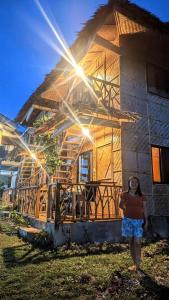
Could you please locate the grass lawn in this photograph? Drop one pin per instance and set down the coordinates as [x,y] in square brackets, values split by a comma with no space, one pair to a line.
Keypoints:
[80,272]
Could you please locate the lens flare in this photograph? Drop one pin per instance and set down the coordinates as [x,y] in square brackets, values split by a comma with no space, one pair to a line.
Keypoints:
[33,155]
[79,70]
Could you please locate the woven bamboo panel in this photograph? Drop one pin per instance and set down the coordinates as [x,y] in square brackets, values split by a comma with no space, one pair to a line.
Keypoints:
[104,162]
[125,25]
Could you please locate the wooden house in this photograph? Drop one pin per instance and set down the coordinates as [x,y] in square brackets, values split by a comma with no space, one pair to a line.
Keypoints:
[110,113]
[9,140]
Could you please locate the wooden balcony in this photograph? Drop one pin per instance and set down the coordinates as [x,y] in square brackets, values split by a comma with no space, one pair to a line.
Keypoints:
[70,202]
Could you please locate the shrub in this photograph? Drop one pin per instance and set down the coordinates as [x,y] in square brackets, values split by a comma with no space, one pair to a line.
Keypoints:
[18,219]
[43,239]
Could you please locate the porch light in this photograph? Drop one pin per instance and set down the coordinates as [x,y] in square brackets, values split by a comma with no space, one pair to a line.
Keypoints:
[86,131]
[79,71]
[33,156]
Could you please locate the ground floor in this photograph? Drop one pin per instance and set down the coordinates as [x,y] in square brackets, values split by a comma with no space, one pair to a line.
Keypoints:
[92,171]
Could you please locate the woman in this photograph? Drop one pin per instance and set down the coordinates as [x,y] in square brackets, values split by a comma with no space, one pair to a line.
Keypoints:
[132,203]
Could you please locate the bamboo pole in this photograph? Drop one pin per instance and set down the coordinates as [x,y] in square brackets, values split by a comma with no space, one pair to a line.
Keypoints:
[57,205]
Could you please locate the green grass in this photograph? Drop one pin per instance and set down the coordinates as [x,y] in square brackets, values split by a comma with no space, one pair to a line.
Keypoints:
[3,205]
[80,272]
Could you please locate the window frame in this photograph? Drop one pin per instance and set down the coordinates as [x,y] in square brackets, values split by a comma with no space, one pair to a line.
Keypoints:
[159,147]
[157,93]
[90,166]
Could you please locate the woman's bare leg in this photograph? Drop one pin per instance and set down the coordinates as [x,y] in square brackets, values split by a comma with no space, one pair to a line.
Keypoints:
[137,251]
[132,252]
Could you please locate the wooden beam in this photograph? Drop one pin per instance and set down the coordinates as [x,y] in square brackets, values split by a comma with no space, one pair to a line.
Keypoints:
[10,163]
[37,203]
[108,45]
[65,125]
[104,81]
[28,114]
[44,108]
[96,51]
[98,121]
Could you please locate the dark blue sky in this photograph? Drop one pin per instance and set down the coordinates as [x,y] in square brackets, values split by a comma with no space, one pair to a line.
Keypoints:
[25,57]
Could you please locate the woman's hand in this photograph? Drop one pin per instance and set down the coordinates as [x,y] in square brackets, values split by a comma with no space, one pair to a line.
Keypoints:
[124,207]
[122,204]
[146,226]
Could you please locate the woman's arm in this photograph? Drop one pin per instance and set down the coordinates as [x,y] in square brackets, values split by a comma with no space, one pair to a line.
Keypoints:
[122,203]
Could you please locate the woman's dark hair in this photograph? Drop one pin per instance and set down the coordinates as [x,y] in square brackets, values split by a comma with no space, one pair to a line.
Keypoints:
[138,191]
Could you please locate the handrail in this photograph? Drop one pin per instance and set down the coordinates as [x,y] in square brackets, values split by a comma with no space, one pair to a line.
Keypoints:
[75,201]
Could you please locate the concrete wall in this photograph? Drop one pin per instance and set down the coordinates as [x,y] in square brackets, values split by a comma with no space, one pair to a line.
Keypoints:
[152,128]
[80,232]
[85,232]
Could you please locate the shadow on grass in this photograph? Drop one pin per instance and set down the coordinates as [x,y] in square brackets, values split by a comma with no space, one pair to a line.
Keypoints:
[143,287]
[34,255]
[158,291]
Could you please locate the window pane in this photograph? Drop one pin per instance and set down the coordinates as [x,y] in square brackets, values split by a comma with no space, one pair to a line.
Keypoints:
[158,80]
[164,155]
[84,167]
[156,164]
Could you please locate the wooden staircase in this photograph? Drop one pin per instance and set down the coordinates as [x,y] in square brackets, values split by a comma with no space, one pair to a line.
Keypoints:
[25,170]
[68,155]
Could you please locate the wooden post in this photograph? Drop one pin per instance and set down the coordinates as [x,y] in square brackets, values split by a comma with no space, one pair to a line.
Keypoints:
[37,202]
[74,194]
[57,205]
[49,203]
[50,199]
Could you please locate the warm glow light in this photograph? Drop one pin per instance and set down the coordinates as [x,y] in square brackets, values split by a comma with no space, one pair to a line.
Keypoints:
[79,71]
[33,156]
[86,132]
[66,53]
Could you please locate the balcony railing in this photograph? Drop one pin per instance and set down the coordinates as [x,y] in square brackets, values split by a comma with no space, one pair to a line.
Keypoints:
[90,201]
[70,202]
[33,200]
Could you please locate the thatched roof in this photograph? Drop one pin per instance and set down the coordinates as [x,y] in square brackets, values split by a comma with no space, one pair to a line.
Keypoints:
[86,37]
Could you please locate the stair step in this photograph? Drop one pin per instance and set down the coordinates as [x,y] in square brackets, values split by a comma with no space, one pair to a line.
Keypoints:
[60,178]
[30,229]
[62,171]
[71,142]
[70,150]
[29,233]
[66,157]
[64,164]
[24,173]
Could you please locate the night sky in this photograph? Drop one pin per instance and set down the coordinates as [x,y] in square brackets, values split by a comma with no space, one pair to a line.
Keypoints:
[25,55]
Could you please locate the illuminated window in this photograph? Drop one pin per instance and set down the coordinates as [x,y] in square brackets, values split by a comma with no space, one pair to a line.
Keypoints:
[84,166]
[158,80]
[160,164]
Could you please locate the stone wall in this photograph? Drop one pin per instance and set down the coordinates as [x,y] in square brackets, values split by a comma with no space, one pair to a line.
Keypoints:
[152,128]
